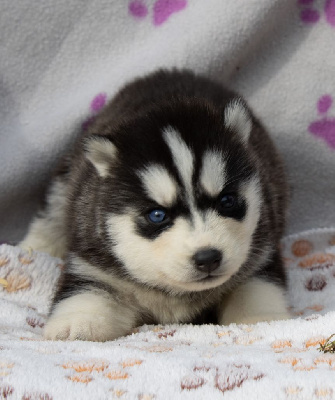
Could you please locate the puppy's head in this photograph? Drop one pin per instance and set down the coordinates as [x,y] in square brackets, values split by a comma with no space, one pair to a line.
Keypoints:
[179,194]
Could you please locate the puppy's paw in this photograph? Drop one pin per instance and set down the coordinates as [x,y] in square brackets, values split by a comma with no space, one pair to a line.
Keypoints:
[79,326]
[89,316]
[43,243]
[255,301]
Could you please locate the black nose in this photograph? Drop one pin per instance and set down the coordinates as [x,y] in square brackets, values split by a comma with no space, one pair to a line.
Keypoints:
[207,260]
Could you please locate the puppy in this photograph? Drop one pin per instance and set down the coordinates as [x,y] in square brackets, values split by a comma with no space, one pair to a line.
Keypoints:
[169,209]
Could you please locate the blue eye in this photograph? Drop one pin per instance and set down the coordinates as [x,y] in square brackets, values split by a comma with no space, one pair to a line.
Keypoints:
[157,216]
[228,201]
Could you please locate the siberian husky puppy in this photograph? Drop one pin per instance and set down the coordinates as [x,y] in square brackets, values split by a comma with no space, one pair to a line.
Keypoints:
[169,209]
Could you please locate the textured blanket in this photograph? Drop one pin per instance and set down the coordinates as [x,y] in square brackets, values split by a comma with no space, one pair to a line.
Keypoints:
[276,360]
[60,61]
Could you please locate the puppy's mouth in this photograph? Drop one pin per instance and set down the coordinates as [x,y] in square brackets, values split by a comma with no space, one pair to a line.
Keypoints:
[208,281]
[209,278]
[199,282]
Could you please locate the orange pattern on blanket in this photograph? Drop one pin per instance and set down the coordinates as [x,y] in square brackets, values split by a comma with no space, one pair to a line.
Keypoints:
[293,390]
[280,344]
[158,349]
[4,261]
[26,259]
[146,396]
[224,333]
[131,363]
[87,366]
[315,341]
[87,370]
[303,367]
[247,340]
[115,375]
[319,259]
[324,393]
[290,360]
[299,364]
[80,378]
[17,280]
[301,248]
[326,359]
[118,392]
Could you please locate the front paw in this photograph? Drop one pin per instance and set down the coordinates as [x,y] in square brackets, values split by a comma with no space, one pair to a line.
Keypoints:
[78,326]
[255,301]
[88,317]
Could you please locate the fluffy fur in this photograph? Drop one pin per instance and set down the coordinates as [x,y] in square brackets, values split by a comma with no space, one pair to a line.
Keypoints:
[169,209]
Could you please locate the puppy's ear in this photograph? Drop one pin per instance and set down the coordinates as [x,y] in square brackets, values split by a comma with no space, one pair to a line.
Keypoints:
[237,117]
[101,152]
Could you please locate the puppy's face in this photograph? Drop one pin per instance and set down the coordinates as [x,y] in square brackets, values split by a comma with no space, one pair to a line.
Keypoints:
[180,195]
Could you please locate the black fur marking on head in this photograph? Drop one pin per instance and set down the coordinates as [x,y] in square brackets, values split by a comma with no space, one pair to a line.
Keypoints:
[237,212]
[149,230]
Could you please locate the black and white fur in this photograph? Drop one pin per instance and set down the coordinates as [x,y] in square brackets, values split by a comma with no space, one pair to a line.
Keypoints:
[186,147]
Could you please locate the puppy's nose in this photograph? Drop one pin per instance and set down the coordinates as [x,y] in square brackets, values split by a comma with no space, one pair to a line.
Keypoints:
[207,260]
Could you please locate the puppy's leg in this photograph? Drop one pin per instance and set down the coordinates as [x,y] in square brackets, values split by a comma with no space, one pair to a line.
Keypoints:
[256,300]
[47,233]
[89,315]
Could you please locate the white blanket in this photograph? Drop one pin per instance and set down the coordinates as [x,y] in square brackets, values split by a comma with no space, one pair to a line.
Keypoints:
[276,360]
[60,61]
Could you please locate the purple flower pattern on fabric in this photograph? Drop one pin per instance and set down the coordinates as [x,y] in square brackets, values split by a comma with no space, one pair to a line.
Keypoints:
[310,14]
[325,126]
[161,10]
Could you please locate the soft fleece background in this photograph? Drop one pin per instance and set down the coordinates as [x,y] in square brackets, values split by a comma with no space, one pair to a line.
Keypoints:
[60,61]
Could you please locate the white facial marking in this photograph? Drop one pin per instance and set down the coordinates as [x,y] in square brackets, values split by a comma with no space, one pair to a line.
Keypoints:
[237,117]
[250,190]
[167,262]
[159,185]
[182,157]
[213,177]
[101,152]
